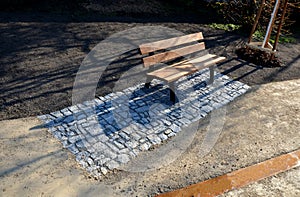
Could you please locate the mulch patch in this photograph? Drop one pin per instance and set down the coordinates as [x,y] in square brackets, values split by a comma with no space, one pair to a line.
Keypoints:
[259,57]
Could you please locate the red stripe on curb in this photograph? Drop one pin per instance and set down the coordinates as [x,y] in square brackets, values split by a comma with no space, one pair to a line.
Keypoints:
[239,178]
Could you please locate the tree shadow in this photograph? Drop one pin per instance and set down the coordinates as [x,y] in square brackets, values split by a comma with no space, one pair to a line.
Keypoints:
[39,62]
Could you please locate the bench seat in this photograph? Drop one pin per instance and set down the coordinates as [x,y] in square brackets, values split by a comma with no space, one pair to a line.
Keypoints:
[176,71]
[174,49]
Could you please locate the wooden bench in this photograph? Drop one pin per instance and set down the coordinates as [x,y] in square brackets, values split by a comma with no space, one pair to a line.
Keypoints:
[175,49]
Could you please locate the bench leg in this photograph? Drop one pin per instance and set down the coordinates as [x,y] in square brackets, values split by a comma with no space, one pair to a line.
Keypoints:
[211,75]
[148,81]
[172,92]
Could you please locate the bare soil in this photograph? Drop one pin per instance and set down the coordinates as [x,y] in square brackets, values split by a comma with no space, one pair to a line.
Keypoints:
[40,56]
[39,60]
[33,162]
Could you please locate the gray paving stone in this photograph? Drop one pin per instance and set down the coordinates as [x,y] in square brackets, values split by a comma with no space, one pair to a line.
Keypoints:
[131,144]
[104,170]
[109,153]
[102,138]
[82,144]
[163,137]
[124,136]
[154,139]
[112,165]
[66,112]
[74,139]
[175,128]
[102,161]
[83,163]
[168,131]
[123,158]
[207,108]
[119,145]
[145,146]
[73,149]
[90,161]
[103,141]
[171,134]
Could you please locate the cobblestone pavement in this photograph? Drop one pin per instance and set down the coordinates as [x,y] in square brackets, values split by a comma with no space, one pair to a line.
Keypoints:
[109,131]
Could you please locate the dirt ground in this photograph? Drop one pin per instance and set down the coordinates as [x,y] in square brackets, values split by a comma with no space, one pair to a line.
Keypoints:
[260,125]
[40,56]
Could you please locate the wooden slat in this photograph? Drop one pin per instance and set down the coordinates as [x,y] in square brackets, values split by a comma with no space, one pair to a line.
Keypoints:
[164,44]
[210,63]
[169,55]
[168,72]
[201,59]
[206,61]
[180,74]
[178,70]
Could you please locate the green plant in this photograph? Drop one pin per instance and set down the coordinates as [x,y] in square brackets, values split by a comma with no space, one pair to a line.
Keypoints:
[237,12]
[243,12]
[226,27]
[259,35]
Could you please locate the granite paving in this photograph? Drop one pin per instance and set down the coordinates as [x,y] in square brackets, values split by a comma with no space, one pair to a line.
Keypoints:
[109,131]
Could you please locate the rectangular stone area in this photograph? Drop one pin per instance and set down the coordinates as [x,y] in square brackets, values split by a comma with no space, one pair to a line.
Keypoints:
[109,131]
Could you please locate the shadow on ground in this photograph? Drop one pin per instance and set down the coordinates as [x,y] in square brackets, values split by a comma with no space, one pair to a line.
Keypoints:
[39,61]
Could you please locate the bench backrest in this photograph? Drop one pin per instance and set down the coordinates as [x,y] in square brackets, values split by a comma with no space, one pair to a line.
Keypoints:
[171,54]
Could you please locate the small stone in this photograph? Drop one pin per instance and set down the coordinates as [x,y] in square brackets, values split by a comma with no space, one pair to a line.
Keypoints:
[127,130]
[171,134]
[83,164]
[104,170]
[124,136]
[81,144]
[175,128]
[163,137]
[123,158]
[81,156]
[73,109]
[74,139]
[73,149]
[66,112]
[57,134]
[57,114]
[142,140]
[166,122]
[154,139]
[119,145]
[90,161]
[206,108]
[102,161]
[103,138]
[168,131]
[110,154]
[44,118]
[112,164]
[65,144]
[80,116]
[100,146]
[185,121]
[113,147]
[145,146]
[124,151]
[135,136]
[131,144]
[134,153]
